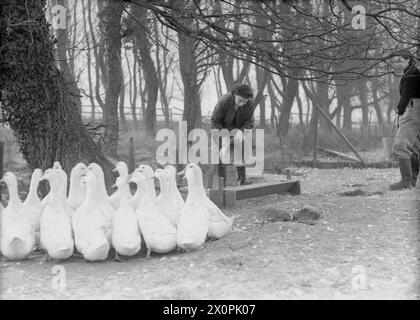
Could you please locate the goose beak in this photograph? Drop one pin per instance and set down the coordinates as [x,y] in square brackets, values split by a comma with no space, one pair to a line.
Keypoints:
[115,169]
[181,173]
[114,186]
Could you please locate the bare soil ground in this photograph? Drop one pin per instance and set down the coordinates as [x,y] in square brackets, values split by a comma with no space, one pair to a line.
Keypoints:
[371,233]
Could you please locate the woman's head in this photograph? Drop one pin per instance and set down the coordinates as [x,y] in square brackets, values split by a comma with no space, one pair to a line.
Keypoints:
[407,57]
[243,93]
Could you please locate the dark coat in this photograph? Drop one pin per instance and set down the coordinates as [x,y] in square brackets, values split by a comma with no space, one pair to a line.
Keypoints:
[225,116]
[409,87]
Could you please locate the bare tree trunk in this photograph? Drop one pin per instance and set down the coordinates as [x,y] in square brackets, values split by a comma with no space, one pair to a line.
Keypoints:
[364,105]
[163,74]
[97,59]
[111,19]
[189,73]
[133,89]
[149,72]
[89,61]
[262,79]
[122,101]
[274,102]
[290,92]
[46,124]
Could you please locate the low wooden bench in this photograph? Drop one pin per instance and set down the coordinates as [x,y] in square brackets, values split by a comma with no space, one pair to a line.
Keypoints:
[232,194]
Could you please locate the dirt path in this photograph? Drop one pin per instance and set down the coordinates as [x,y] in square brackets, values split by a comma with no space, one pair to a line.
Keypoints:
[364,247]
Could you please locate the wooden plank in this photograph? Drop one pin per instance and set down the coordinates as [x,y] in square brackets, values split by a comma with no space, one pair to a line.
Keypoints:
[338,154]
[232,194]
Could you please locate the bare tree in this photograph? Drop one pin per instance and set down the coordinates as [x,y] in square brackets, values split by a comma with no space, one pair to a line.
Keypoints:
[111,20]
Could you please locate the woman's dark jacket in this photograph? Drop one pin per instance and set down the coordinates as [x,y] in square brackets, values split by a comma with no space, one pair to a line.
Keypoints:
[225,116]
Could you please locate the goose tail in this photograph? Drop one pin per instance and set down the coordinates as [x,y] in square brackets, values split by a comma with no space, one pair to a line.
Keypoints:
[63,252]
[17,246]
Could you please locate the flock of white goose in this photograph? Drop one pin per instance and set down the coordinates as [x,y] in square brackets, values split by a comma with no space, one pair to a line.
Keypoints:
[88,219]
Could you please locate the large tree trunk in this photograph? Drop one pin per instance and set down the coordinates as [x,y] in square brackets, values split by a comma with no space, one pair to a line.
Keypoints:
[36,101]
[61,55]
[111,20]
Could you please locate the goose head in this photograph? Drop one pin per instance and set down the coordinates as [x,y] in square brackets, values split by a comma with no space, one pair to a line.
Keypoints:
[96,169]
[141,179]
[37,175]
[78,171]
[170,170]
[9,179]
[52,176]
[160,174]
[90,181]
[147,170]
[193,174]
[57,165]
[122,169]
[62,174]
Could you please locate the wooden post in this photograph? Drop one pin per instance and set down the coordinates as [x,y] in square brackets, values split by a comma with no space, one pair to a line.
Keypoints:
[131,155]
[217,196]
[341,134]
[315,149]
[1,165]
[1,159]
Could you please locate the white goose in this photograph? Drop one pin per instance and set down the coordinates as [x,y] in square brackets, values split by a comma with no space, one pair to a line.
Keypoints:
[56,228]
[77,190]
[89,226]
[176,195]
[219,223]
[166,202]
[122,169]
[193,221]
[125,230]
[159,234]
[63,178]
[137,198]
[17,237]
[105,207]
[32,206]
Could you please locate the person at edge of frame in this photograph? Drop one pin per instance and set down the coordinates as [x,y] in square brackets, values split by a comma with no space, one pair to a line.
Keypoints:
[406,147]
[234,110]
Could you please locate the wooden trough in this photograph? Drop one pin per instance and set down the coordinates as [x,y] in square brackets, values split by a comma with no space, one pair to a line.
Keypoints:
[228,196]
[232,194]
